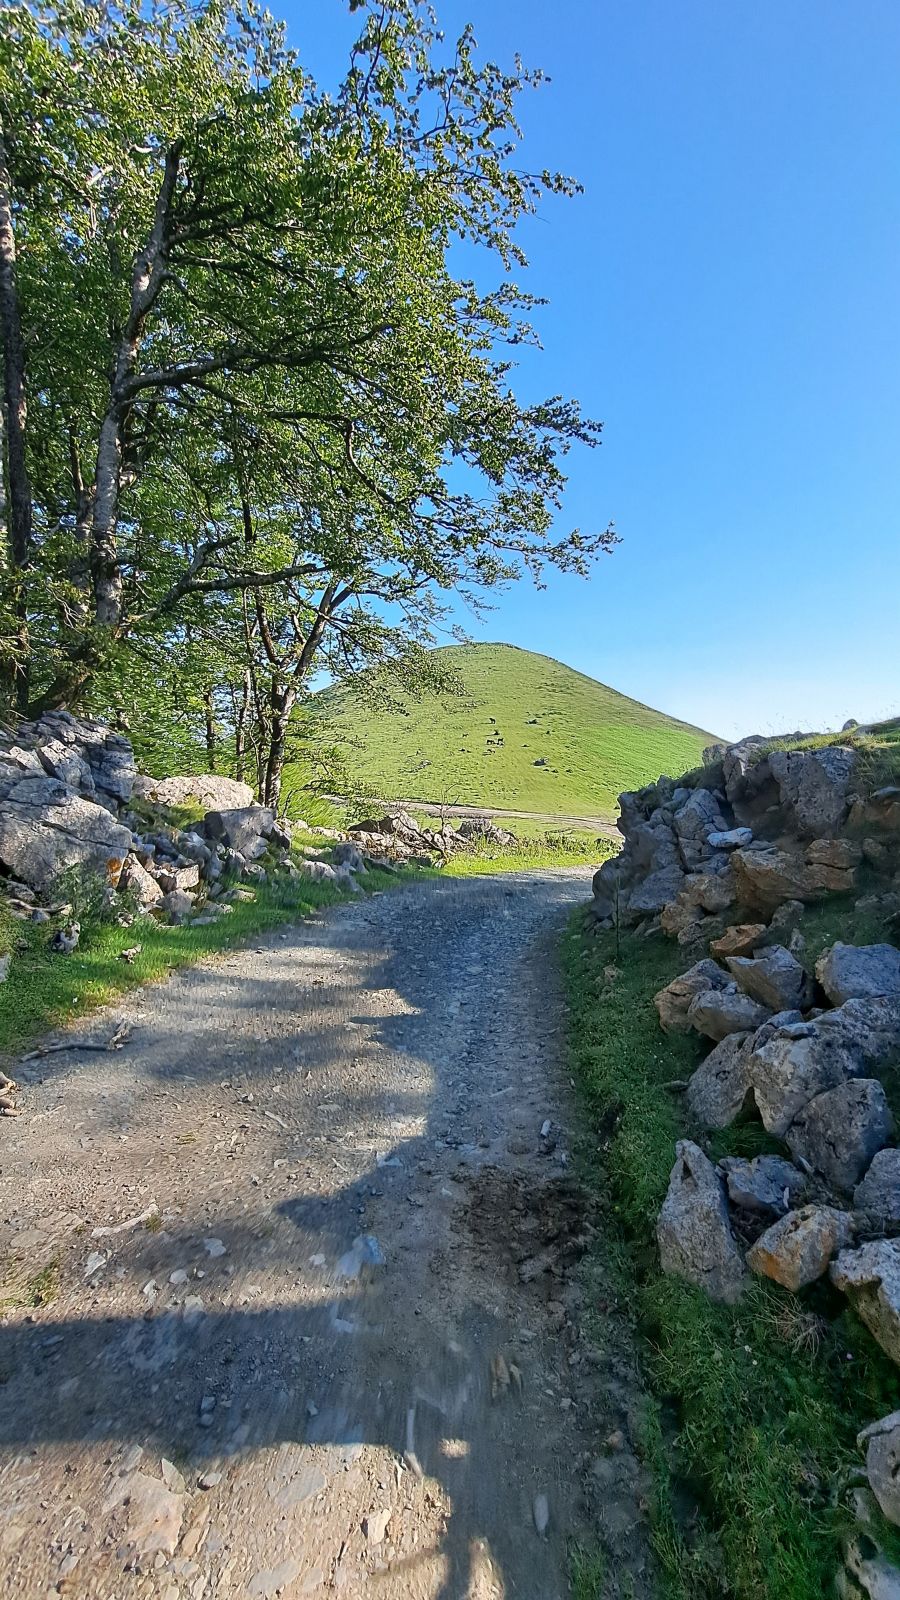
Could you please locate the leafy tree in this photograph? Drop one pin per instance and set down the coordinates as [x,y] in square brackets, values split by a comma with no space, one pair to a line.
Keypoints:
[254,419]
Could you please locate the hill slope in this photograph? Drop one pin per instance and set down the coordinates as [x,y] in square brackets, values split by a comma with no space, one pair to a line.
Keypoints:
[518,710]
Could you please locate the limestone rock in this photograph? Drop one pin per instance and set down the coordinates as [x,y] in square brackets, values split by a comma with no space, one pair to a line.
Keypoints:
[718,1012]
[841,853]
[870,1277]
[239,829]
[879,1192]
[136,880]
[880,813]
[177,905]
[882,1439]
[648,898]
[347,854]
[840,1131]
[720,1089]
[153,1513]
[711,891]
[854,972]
[790,1069]
[731,839]
[206,789]
[814,785]
[45,828]
[775,978]
[767,1186]
[693,1232]
[673,1001]
[797,1248]
[699,816]
[867,1575]
[739,940]
[769,875]
[870,1028]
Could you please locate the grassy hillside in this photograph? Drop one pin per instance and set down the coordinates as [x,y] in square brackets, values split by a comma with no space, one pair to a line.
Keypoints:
[518,709]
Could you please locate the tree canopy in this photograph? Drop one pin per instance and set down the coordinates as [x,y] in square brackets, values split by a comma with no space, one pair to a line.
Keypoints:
[255,419]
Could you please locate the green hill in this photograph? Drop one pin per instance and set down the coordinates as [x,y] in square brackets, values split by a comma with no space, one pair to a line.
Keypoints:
[527,733]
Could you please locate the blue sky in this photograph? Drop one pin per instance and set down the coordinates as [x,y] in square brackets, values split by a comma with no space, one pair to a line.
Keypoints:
[725,295]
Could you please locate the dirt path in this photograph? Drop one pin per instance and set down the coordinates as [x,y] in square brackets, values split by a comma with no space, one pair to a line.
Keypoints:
[604,826]
[358,1305]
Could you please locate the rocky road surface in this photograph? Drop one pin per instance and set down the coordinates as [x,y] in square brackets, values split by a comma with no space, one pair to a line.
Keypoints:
[289,1289]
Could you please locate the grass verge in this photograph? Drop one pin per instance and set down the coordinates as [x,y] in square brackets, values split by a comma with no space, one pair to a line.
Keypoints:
[552,848]
[753,1410]
[44,990]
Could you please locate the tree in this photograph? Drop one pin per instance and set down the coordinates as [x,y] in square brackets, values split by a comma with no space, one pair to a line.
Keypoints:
[266,404]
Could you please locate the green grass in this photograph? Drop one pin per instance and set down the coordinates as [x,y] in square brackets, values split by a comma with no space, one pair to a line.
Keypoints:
[44,990]
[446,748]
[571,848]
[755,1408]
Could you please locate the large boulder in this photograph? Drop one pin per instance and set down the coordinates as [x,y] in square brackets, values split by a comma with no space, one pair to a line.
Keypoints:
[870,1277]
[797,1249]
[792,1067]
[766,1186]
[775,978]
[693,1232]
[870,1028]
[647,899]
[45,828]
[240,829]
[767,875]
[882,1441]
[840,1131]
[859,972]
[673,1001]
[720,1089]
[879,1192]
[814,785]
[718,1012]
[209,790]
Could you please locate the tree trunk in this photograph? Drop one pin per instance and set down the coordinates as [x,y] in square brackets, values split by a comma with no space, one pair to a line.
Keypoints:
[281,703]
[210,728]
[240,728]
[16,415]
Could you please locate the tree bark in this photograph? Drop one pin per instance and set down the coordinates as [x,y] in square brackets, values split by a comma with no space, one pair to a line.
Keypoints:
[282,698]
[14,392]
[210,728]
[240,728]
[147,278]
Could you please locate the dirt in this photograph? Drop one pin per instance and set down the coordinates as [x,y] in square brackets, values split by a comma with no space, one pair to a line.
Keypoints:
[342,1342]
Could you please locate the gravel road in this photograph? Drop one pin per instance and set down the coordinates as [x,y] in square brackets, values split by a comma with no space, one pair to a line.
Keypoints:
[342,1348]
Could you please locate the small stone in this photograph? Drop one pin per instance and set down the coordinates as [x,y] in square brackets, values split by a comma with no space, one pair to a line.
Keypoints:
[210,1480]
[95,1261]
[214,1247]
[541,1512]
[172,1478]
[178,1277]
[375,1525]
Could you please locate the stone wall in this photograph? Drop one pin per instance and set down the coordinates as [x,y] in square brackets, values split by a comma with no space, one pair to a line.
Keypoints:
[725,861]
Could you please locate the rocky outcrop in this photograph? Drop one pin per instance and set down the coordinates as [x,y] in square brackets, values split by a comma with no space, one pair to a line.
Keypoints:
[693,1231]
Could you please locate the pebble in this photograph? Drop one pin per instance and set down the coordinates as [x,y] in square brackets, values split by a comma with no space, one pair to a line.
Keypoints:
[210,1480]
[375,1525]
[541,1513]
[95,1261]
[172,1477]
[214,1247]
[179,1276]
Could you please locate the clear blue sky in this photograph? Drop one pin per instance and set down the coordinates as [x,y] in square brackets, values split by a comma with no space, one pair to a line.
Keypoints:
[726,297]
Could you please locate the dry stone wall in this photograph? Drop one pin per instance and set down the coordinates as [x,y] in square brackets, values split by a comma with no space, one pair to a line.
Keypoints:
[724,861]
